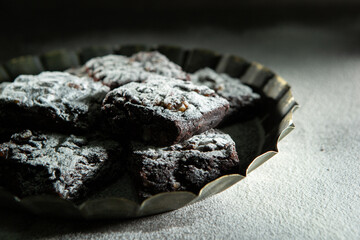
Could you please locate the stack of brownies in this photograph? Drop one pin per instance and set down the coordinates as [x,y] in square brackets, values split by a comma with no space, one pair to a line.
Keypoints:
[71,135]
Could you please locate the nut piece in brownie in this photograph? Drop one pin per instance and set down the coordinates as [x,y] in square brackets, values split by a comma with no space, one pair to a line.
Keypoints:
[185,166]
[242,99]
[117,70]
[162,111]
[34,163]
[54,100]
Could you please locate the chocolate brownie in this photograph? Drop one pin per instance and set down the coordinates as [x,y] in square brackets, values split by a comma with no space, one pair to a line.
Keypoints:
[55,100]
[34,163]
[162,111]
[241,97]
[114,70]
[185,166]
[158,63]
[117,70]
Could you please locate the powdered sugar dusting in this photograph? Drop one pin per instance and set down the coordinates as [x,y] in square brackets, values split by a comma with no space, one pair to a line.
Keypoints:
[185,166]
[156,62]
[69,161]
[213,141]
[232,89]
[117,70]
[169,97]
[66,95]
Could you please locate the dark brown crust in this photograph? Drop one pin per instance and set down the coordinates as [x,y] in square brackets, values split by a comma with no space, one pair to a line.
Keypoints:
[51,100]
[117,70]
[72,167]
[187,166]
[150,124]
[244,102]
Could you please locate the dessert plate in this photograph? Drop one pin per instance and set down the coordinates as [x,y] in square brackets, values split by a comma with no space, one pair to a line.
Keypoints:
[256,139]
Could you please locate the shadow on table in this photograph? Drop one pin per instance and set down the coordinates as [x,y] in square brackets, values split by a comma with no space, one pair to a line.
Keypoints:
[18,224]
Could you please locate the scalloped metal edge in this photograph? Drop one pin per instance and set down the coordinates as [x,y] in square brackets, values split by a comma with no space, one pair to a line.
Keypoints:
[259,160]
[123,208]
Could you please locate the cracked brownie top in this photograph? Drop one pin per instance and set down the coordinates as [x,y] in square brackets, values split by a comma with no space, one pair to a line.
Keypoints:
[117,70]
[237,93]
[211,142]
[64,161]
[168,97]
[156,62]
[184,166]
[61,96]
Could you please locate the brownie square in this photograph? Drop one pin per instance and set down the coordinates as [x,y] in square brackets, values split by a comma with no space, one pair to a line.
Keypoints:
[69,166]
[117,70]
[54,100]
[114,70]
[163,111]
[186,166]
[243,100]
[158,63]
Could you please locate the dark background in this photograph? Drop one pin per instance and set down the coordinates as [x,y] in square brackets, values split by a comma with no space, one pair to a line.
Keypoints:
[25,23]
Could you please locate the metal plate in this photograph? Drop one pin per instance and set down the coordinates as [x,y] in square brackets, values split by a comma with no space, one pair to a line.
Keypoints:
[274,124]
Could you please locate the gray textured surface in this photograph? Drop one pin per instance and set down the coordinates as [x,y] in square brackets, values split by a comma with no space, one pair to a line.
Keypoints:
[310,190]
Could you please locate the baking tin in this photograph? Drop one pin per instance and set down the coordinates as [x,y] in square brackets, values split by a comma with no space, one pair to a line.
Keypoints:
[273,123]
